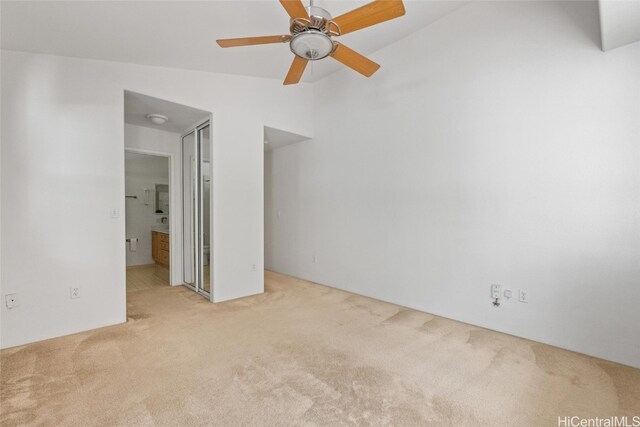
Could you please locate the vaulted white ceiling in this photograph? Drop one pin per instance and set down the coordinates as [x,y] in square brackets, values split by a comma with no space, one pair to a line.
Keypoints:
[182,34]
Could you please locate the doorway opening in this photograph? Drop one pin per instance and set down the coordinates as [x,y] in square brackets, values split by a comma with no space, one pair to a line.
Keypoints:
[280,178]
[168,195]
[147,210]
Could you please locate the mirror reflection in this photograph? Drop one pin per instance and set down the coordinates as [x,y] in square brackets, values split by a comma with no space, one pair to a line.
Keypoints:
[162,199]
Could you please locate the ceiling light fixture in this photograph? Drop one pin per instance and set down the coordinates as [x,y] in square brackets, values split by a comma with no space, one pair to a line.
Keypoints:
[311,45]
[157,119]
[311,38]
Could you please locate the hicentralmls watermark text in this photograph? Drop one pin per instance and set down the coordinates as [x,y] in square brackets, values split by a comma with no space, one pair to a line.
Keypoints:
[623,421]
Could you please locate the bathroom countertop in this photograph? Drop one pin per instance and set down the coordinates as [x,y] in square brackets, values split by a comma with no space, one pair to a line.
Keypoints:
[161,230]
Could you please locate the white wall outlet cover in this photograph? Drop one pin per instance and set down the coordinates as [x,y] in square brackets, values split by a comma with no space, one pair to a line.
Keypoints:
[74,293]
[507,293]
[524,296]
[495,291]
[115,212]
[11,300]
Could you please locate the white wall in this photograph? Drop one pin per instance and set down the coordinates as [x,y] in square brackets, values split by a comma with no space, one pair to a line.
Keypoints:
[144,173]
[63,172]
[498,145]
[147,140]
[620,22]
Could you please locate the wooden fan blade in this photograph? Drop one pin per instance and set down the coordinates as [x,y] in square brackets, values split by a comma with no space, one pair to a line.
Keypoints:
[249,41]
[295,71]
[370,14]
[295,8]
[354,60]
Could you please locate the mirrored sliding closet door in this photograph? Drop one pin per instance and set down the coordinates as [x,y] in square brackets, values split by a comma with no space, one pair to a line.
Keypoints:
[196,212]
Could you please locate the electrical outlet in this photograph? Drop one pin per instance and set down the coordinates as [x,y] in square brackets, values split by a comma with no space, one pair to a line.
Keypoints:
[115,212]
[11,300]
[253,267]
[524,296]
[74,293]
[495,291]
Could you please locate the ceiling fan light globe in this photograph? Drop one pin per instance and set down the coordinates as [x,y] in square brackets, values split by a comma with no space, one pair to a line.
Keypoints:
[311,45]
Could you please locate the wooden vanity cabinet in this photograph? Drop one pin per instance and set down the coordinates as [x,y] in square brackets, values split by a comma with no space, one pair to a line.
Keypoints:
[160,248]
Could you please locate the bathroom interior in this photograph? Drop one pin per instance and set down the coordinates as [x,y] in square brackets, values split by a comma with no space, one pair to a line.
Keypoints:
[147,213]
[167,195]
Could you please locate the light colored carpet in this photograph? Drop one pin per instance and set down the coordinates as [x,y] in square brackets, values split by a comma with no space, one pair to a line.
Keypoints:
[301,354]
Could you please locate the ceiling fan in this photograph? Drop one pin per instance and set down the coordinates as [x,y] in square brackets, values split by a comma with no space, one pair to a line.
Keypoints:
[312,30]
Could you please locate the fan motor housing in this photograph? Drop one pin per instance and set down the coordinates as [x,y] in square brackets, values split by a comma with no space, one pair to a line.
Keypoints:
[319,19]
